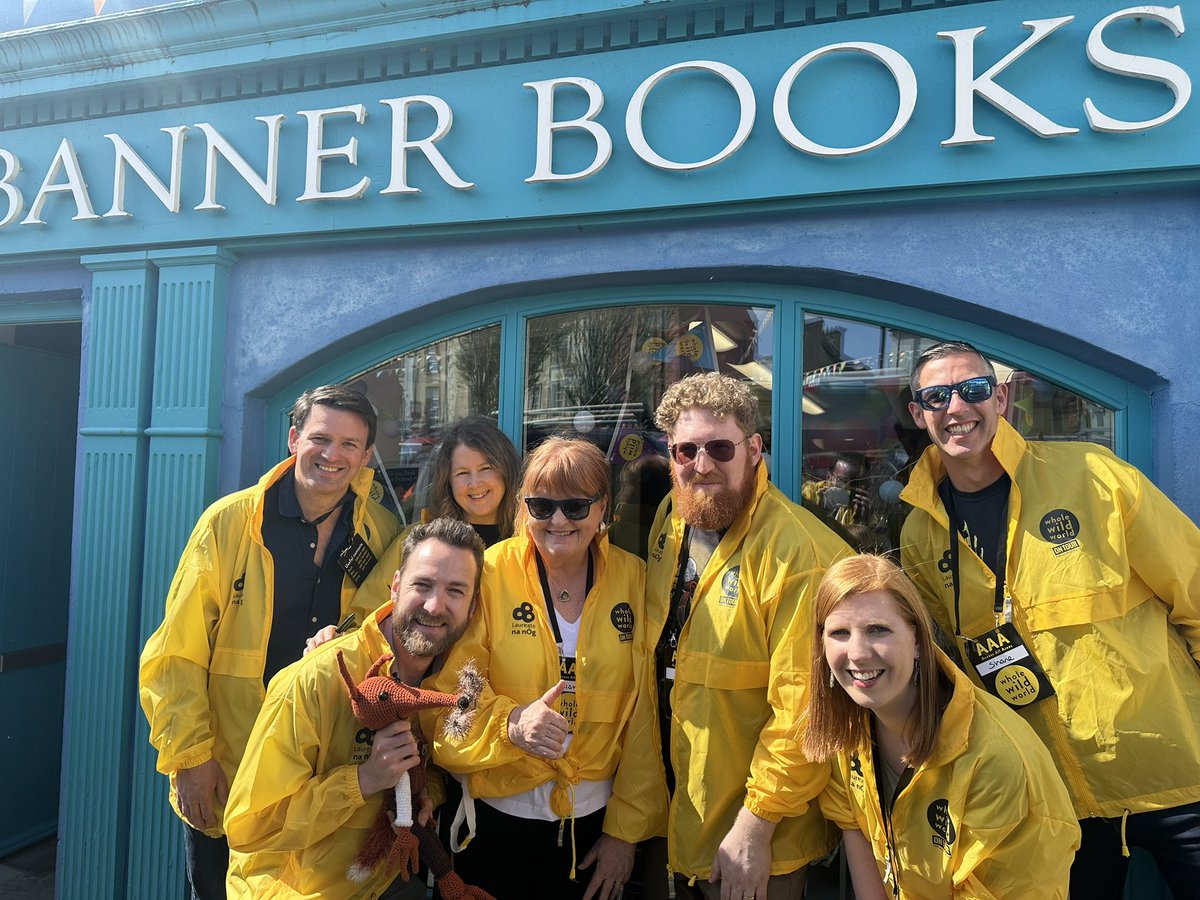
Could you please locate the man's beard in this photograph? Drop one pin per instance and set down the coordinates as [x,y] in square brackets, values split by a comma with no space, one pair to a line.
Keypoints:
[712,510]
[418,644]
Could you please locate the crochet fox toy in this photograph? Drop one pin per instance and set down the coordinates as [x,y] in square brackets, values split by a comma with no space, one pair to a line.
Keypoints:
[377,701]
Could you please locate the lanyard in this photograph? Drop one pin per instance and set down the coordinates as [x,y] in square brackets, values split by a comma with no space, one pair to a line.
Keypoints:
[680,609]
[1001,561]
[587,589]
[885,811]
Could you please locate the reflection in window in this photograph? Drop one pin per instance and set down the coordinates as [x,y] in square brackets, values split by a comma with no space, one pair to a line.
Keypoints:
[859,441]
[599,374]
[416,395]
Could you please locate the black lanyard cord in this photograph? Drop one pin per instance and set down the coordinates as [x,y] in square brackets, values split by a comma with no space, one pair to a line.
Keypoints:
[1001,560]
[550,601]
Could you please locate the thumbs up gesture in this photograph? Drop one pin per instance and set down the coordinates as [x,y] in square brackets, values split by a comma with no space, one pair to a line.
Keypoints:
[536,728]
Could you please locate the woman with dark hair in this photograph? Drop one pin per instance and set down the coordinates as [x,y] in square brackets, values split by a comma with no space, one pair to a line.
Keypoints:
[554,634]
[475,471]
[940,790]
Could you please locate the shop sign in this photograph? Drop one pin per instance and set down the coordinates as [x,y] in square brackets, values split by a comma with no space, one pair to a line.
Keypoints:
[26,185]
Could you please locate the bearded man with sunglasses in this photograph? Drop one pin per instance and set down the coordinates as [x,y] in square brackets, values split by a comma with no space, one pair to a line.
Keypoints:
[1073,594]
[733,566]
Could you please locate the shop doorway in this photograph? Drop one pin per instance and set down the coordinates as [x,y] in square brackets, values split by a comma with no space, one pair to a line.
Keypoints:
[39,403]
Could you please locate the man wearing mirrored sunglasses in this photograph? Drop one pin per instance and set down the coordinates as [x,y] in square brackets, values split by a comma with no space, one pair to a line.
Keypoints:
[732,568]
[1073,594]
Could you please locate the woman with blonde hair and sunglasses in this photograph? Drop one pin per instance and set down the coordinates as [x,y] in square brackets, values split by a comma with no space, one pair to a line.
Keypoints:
[554,636]
[940,790]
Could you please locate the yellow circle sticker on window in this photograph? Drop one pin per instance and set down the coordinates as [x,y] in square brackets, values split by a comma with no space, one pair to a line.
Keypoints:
[690,346]
[653,345]
[632,446]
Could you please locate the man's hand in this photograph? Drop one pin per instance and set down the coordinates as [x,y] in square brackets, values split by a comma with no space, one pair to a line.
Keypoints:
[328,633]
[614,861]
[195,789]
[536,728]
[743,861]
[394,751]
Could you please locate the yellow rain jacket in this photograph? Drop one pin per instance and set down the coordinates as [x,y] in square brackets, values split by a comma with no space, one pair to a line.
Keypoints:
[511,639]
[201,674]
[740,685]
[1104,574]
[296,818]
[986,817]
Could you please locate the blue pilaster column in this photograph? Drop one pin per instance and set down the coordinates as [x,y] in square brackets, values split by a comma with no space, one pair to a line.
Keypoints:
[185,440]
[103,638]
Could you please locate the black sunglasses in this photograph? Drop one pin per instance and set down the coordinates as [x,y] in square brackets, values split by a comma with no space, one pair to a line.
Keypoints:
[720,450]
[937,396]
[574,508]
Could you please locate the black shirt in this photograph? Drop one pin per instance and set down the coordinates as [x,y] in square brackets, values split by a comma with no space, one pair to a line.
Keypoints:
[489,534]
[307,597]
[982,517]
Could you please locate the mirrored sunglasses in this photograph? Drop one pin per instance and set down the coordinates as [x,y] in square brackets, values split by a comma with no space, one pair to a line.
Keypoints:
[574,508]
[937,396]
[720,450]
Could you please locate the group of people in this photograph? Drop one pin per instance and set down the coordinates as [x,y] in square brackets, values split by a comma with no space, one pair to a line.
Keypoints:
[1003,714]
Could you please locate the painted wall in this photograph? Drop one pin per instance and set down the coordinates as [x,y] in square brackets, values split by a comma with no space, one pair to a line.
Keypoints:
[1110,280]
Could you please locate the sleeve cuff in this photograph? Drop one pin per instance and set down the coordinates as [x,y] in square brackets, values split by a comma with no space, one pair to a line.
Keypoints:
[188,760]
[505,709]
[755,807]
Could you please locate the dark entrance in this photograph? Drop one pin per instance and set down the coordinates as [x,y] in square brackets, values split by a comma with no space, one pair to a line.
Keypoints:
[39,406]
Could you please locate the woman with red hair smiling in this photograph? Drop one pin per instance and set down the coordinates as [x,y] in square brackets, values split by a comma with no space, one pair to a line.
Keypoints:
[940,790]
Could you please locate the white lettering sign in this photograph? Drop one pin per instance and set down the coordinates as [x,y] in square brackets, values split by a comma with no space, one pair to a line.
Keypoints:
[543,168]
[64,174]
[1138,67]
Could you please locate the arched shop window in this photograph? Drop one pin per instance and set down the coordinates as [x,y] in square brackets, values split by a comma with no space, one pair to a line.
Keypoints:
[831,385]
[860,442]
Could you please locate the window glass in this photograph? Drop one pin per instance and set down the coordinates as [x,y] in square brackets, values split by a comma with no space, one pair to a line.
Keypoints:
[599,374]
[416,395]
[859,441]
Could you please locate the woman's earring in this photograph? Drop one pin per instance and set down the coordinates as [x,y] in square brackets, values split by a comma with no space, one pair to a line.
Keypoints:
[832,680]
[917,671]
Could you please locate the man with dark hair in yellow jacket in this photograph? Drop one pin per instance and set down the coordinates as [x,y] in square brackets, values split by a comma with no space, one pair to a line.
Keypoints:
[314,780]
[264,568]
[732,571]
[1073,594]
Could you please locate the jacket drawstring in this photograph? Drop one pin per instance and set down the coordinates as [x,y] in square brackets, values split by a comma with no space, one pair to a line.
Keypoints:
[464,813]
[564,789]
[562,822]
[1124,843]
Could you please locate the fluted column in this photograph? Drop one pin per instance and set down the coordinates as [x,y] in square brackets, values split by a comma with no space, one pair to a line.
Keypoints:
[103,625]
[184,445]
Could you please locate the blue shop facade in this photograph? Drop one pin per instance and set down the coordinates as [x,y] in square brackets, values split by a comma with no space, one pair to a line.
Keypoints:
[545,212]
